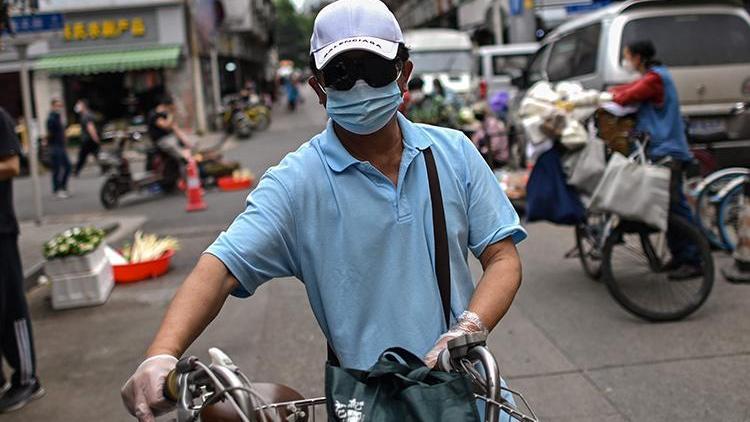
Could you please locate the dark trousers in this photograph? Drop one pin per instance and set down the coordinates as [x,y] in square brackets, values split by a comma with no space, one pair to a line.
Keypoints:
[683,251]
[15,323]
[60,168]
[88,147]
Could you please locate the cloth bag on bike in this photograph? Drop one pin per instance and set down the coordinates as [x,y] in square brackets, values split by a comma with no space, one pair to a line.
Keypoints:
[548,196]
[634,191]
[589,167]
[398,388]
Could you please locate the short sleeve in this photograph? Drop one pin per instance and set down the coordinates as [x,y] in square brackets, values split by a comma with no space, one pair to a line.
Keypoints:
[491,215]
[9,144]
[260,244]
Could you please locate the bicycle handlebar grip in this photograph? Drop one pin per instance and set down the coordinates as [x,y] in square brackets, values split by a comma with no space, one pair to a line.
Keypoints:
[444,361]
[171,389]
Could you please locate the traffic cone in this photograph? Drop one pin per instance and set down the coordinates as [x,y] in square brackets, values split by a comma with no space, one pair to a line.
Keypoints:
[194,190]
[740,271]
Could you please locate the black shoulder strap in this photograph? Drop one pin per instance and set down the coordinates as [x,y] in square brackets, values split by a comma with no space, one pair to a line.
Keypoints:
[442,257]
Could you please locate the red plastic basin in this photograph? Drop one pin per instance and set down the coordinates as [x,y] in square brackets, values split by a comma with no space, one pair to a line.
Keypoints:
[229,183]
[129,273]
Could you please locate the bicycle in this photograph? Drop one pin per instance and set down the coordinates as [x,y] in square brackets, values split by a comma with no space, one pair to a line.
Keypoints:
[706,197]
[221,392]
[729,202]
[633,260]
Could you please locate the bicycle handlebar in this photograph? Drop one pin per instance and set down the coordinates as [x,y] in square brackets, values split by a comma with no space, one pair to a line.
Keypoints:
[462,355]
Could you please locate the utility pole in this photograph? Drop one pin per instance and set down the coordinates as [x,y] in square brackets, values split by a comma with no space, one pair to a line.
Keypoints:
[497,22]
[215,81]
[30,130]
[195,62]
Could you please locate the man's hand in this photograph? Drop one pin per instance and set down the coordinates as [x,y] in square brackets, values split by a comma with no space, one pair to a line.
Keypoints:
[143,393]
[467,323]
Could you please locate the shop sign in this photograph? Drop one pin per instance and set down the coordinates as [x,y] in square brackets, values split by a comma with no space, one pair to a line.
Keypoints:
[108,28]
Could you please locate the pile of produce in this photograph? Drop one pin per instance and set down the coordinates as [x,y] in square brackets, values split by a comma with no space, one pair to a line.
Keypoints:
[77,241]
[148,247]
[242,174]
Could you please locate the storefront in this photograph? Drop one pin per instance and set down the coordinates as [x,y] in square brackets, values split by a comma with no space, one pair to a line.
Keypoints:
[120,60]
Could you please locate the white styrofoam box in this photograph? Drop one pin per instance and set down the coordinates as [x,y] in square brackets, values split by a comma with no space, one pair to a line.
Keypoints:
[89,289]
[75,265]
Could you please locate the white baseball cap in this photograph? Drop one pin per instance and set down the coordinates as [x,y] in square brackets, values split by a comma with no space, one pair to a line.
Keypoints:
[346,25]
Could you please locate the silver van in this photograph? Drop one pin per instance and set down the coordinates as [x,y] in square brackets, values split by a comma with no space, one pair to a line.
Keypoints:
[705,45]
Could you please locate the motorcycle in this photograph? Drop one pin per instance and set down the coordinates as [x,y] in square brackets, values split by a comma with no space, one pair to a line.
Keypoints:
[242,118]
[162,173]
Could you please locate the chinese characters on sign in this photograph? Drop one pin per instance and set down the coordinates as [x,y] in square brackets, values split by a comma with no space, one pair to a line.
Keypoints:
[108,28]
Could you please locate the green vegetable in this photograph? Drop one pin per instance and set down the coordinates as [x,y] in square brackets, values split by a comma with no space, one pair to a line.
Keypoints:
[76,241]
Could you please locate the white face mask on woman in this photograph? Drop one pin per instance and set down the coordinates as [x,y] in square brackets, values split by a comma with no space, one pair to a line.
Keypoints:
[628,66]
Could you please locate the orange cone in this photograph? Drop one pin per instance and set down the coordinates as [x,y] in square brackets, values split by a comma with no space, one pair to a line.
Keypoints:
[194,190]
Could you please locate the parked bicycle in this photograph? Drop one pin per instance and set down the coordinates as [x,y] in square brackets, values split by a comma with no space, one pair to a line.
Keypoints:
[707,198]
[219,391]
[633,259]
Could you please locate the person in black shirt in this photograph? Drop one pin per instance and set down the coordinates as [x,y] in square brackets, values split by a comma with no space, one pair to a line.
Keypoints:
[16,341]
[90,142]
[56,142]
[165,134]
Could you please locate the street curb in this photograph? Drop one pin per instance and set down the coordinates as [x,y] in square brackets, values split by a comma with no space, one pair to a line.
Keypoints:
[115,233]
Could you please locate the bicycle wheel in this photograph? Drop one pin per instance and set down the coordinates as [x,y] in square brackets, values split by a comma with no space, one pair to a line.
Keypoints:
[589,236]
[728,217]
[705,211]
[634,260]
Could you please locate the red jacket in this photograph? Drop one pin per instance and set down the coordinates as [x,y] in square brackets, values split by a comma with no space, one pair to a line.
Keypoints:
[649,88]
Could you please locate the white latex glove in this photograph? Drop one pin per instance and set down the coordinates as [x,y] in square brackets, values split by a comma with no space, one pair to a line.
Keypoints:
[143,393]
[467,323]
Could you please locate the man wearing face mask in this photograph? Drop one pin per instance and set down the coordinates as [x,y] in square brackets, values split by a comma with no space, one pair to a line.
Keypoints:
[349,213]
[655,95]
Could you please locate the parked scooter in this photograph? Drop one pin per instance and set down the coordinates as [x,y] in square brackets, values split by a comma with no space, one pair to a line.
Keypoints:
[162,173]
[241,117]
[235,120]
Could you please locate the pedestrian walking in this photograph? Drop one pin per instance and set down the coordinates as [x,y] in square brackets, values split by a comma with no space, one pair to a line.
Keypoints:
[90,142]
[292,92]
[58,153]
[17,345]
[375,214]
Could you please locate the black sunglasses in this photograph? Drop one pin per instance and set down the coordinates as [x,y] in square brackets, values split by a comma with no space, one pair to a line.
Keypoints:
[343,72]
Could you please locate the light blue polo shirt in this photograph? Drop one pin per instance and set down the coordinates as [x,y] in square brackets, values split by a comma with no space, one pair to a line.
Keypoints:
[363,247]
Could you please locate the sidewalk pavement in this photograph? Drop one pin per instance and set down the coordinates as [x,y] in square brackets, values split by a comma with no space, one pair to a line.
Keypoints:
[34,236]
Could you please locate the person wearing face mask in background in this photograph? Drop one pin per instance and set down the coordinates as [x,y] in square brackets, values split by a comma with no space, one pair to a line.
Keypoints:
[349,213]
[430,109]
[90,142]
[655,95]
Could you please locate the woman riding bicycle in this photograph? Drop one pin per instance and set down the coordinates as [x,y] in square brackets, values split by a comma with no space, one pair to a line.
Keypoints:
[659,115]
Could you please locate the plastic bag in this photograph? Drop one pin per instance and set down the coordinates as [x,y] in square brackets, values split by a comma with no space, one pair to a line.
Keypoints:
[543,91]
[573,136]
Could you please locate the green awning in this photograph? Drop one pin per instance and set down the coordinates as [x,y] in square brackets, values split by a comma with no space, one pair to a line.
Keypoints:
[110,61]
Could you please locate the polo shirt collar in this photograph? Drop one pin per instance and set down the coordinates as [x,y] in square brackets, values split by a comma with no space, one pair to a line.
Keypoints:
[339,159]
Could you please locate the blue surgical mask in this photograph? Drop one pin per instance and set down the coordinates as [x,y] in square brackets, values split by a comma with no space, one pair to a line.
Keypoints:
[363,109]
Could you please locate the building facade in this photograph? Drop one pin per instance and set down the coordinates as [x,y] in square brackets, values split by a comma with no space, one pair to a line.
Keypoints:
[123,55]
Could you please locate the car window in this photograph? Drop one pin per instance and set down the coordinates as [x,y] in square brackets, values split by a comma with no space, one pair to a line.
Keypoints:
[574,54]
[448,61]
[536,66]
[678,43]
[511,65]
